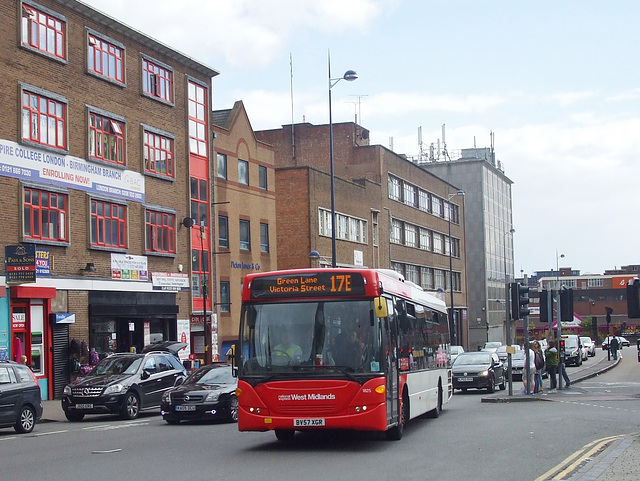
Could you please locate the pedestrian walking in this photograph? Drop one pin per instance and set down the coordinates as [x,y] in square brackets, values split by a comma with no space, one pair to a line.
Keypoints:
[614,345]
[539,363]
[528,377]
[551,361]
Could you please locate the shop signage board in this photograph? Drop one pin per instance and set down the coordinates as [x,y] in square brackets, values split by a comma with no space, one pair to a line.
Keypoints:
[20,263]
[36,165]
[170,281]
[126,267]
[43,263]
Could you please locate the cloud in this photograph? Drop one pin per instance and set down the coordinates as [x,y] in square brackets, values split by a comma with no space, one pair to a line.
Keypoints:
[245,33]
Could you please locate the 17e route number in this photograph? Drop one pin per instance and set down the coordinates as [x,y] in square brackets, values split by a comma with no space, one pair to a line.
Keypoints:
[341,283]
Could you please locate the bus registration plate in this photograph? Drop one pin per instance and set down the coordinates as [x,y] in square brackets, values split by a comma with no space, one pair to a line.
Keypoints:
[308,422]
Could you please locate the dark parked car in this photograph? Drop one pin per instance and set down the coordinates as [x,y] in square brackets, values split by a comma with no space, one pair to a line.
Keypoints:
[125,383]
[208,393]
[572,350]
[479,370]
[20,400]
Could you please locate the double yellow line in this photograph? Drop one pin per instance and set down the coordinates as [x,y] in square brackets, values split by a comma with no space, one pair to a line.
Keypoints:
[572,462]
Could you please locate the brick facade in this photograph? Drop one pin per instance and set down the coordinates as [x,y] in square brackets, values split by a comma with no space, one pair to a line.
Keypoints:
[70,82]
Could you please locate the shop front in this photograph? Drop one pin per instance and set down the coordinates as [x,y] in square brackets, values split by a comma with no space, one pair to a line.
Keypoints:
[30,332]
[128,321]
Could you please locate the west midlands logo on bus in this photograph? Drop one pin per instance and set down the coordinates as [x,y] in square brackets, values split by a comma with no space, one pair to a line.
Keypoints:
[306,397]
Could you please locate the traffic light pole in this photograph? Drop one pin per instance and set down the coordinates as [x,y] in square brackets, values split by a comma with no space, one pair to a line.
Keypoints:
[509,361]
[559,327]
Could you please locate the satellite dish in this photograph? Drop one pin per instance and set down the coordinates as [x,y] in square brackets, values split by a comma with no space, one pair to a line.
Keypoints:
[188,222]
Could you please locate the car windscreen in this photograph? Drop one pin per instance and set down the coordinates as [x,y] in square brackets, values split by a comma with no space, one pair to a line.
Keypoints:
[571,343]
[116,365]
[473,358]
[220,375]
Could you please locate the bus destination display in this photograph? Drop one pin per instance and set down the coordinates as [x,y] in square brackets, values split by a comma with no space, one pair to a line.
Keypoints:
[308,285]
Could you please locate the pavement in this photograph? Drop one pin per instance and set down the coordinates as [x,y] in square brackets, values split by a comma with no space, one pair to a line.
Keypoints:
[616,458]
[610,459]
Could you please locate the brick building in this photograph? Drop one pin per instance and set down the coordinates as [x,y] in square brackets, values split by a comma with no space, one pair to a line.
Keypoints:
[105,148]
[390,213]
[245,209]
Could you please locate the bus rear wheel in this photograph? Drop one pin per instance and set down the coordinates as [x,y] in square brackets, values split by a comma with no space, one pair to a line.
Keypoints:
[435,412]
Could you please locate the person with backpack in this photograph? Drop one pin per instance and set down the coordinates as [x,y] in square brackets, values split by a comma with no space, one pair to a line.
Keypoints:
[539,362]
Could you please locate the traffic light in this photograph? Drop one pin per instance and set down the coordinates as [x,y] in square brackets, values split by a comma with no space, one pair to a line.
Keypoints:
[566,305]
[544,306]
[609,312]
[633,299]
[562,346]
[519,300]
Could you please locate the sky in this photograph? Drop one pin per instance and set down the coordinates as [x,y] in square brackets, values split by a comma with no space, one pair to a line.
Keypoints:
[556,82]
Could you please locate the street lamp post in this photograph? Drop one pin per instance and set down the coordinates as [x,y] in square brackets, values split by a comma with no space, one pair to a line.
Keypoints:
[452,319]
[349,76]
[558,320]
[507,313]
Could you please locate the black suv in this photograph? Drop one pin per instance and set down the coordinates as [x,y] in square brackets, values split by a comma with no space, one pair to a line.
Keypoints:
[20,399]
[125,383]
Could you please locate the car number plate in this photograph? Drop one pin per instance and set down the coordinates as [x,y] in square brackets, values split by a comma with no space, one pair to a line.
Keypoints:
[465,379]
[308,422]
[84,406]
[185,408]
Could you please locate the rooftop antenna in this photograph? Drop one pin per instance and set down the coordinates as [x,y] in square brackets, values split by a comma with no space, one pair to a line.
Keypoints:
[421,154]
[358,116]
[391,143]
[444,145]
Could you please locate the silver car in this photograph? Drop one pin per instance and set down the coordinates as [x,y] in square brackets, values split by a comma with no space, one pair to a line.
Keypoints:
[588,346]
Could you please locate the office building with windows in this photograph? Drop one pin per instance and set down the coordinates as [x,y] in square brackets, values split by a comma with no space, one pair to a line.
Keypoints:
[105,169]
[488,223]
[390,213]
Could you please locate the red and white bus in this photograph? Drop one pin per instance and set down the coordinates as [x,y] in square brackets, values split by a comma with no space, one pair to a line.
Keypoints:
[339,348]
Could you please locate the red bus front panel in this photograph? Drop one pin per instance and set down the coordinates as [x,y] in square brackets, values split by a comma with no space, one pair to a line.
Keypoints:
[309,404]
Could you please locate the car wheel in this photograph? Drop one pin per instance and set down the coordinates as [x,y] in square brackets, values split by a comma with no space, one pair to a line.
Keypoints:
[503,385]
[26,420]
[492,386]
[131,406]
[285,434]
[233,409]
[74,416]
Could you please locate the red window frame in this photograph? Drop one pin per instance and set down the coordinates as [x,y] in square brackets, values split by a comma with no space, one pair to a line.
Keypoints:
[108,224]
[198,144]
[157,81]
[43,32]
[105,59]
[158,154]
[44,120]
[160,232]
[106,138]
[45,215]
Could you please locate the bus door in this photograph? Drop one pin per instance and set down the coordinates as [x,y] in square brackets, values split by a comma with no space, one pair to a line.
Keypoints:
[392,373]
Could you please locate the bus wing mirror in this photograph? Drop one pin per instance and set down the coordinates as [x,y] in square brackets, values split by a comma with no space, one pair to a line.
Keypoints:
[380,304]
[231,356]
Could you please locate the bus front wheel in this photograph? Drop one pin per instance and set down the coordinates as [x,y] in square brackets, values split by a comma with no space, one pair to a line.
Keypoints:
[395,433]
